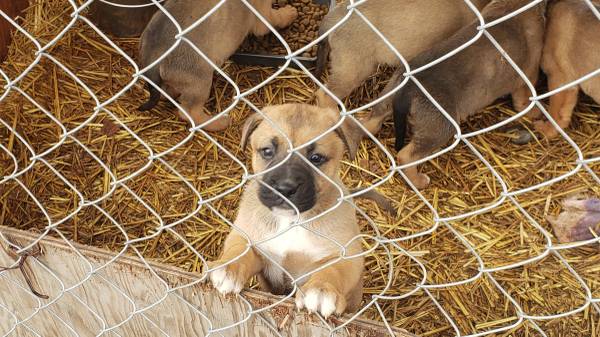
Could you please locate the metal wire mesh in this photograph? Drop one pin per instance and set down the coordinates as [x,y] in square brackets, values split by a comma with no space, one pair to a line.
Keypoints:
[380,240]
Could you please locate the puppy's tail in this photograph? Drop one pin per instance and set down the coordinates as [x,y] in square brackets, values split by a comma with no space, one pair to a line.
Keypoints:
[154,75]
[401,107]
[323,50]
[378,198]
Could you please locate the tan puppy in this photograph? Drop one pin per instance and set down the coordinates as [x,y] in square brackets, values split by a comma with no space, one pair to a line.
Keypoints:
[264,214]
[184,74]
[571,51]
[466,82]
[411,26]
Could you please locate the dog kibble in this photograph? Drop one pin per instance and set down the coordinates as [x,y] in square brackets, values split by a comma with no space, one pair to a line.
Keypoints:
[302,31]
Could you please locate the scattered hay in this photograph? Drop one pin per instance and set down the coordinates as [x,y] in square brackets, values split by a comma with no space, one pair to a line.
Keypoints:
[461,184]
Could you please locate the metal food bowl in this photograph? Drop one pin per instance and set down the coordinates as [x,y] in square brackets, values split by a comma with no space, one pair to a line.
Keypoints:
[128,18]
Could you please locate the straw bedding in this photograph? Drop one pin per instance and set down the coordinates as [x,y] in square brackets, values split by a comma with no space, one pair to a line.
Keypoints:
[460,183]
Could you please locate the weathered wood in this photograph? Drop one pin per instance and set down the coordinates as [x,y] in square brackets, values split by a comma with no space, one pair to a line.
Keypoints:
[102,299]
[12,8]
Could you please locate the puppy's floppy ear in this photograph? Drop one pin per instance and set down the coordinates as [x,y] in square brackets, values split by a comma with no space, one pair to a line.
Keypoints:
[249,126]
[351,134]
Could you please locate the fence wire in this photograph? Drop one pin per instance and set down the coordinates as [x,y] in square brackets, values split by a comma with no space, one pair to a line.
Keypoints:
[381,241]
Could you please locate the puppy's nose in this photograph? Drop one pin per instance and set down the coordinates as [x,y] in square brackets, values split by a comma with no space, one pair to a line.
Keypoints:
[287,188]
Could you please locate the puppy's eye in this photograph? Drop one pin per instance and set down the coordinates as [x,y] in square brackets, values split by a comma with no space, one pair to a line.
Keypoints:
[267,152]
[317,159]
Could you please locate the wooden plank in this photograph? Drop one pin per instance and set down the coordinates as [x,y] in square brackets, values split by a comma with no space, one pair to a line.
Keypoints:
[108,297]
[12,8]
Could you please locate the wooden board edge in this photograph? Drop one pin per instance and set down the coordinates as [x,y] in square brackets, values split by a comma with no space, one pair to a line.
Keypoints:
[251,295]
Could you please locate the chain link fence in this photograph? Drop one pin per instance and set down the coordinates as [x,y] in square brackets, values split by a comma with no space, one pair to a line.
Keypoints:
[210,206]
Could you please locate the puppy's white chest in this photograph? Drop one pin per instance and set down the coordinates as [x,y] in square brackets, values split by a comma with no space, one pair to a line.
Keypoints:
[288,240]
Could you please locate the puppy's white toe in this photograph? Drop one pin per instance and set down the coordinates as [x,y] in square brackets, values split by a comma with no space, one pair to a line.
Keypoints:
[327,304]
[217,276]
[315,300]
[229,286]
[299,301]
[224,282]
[311,300]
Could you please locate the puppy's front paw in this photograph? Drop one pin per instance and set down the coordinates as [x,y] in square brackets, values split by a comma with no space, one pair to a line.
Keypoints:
[420,180]
[321,297]
[219,124]
[288,14]
[323,100]
[229,279]
[546,128]
[535,113]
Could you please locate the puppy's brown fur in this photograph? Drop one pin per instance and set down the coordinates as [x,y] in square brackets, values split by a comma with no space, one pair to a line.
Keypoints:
[466,82]
[184,74]
[338,287]
[410,26]
[571,51]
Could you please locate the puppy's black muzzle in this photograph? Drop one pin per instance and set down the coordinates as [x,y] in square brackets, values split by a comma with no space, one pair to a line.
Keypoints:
[295,181]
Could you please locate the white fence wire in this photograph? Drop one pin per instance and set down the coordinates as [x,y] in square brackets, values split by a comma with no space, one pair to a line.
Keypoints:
[354,9]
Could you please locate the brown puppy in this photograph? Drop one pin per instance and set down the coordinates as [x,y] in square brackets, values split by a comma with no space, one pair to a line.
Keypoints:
[571,51]
[466,82]
[410,26]
[264,214]
[184,74]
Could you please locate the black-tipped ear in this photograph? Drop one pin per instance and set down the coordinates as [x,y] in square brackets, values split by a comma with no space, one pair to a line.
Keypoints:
[351,135]
[249,126]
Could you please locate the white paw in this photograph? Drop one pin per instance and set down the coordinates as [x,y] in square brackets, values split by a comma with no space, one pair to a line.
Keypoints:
[315,300]
[225,282]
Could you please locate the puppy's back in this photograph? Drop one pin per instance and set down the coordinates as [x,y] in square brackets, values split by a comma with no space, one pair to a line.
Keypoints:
[478,75]
[219,31]
[505,31]
[402,22]
[160,32]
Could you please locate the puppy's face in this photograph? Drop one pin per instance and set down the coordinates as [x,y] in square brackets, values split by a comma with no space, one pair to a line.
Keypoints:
[295,179]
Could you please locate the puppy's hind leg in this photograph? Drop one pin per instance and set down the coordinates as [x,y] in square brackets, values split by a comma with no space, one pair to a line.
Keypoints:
[193,97]
[561,105]
[431,131]
[520,99]
[383,110]
[346,72]
[408,155]
[172,92]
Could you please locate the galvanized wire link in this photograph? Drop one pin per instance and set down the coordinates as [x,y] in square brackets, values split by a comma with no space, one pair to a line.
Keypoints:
[379,240]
